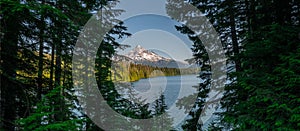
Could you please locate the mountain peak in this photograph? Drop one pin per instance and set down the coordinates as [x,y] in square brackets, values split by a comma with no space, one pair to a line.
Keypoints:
[139,48]
[139,53]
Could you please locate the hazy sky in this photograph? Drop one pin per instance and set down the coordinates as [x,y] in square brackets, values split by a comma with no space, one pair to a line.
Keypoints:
[159,34]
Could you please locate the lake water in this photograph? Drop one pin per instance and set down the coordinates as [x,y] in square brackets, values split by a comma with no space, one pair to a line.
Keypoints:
[180,93]
[173,88]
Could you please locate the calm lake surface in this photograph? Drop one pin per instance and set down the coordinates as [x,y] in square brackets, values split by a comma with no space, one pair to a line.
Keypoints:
[172,87]
[179,91]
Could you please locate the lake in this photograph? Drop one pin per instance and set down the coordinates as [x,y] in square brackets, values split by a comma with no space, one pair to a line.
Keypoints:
[171,86]
[174,88]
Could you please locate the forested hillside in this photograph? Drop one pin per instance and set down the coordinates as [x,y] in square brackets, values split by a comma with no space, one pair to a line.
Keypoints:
[126,72]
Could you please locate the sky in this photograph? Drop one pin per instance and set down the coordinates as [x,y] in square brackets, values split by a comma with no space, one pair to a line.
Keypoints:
[152,28]
[157,33]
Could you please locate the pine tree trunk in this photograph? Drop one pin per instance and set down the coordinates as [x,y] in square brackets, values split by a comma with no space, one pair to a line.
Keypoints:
[52,67]
[58,71]
[41,54]
[234,38]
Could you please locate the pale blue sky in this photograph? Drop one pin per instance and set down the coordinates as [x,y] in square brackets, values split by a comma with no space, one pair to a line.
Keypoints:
[158,33]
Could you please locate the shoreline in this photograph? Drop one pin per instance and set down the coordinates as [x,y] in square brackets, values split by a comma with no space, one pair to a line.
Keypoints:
[154,77]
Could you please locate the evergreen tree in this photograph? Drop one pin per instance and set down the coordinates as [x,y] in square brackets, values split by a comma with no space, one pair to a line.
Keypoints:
[264,98]
[36,60]
[42,116]
[255,35]
[13,17]
[261,98]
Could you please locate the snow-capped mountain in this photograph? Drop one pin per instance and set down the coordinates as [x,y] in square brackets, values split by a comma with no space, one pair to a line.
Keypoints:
[140,55]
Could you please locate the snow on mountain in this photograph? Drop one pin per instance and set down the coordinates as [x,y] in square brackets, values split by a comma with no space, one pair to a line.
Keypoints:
[141,54]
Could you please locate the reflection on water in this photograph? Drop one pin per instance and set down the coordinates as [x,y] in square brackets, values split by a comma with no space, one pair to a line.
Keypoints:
[173,88]
[170,86]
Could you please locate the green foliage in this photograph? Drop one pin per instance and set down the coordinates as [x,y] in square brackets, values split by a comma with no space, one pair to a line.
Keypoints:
[12,89]
[262,41]
[42,117]
[265,95]
[260,37]
[42,32]
[201,58]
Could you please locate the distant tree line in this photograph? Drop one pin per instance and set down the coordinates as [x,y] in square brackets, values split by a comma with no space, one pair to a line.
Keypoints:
[123,71]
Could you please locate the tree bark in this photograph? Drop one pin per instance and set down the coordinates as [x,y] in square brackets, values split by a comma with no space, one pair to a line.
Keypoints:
[41,56]
[234,38]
